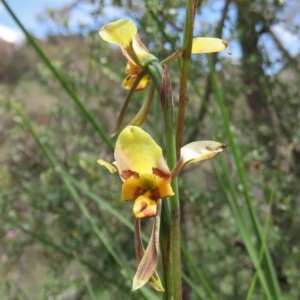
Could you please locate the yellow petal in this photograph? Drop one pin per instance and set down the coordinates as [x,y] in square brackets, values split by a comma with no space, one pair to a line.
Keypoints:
[110,167]
[144,207]
[136,151]
[142,55]
[130,189]
[132,68]
[133,71]
[130,79]
[120,32]
[147,181]
[208,45]
[164,187]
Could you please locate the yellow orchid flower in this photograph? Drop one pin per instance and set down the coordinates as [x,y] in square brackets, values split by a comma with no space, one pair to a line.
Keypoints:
[143,170]
[124,33]
[146,180]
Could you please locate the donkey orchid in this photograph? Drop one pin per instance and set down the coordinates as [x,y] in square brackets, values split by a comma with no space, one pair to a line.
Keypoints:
[146,180]
[124,33]
[143,170]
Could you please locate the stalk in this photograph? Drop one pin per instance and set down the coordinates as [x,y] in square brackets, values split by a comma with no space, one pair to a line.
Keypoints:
[174,273]
[185,64]
[170,221]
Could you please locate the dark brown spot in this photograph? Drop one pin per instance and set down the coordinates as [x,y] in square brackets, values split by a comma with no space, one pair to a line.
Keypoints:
[128,173]
[160,173]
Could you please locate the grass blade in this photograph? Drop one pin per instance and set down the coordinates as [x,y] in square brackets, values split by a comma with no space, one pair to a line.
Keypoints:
[270,276]
[80,105]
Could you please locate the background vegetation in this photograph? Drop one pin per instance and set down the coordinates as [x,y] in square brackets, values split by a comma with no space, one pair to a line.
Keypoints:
[64,232]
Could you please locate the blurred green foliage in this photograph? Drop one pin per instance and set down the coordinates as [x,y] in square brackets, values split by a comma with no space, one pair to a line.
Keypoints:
[49,247]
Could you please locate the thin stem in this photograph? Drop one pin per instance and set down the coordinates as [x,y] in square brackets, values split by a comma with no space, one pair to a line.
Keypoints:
[174,283]
[185,64]
[126,102]
[172,57]
[141,115]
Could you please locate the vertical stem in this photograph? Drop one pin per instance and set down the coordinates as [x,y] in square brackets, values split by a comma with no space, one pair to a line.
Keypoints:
[185,63]
[174,275]
[172,264]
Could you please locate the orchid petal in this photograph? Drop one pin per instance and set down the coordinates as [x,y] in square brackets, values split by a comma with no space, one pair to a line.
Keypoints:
[148,262]
[208,45]
[130,80]
[129,189]
[196,152]
[120,32]
[142,54]
[164,188]
[110,167]
[135,186]
[136,151]
[144,207]
[154,280]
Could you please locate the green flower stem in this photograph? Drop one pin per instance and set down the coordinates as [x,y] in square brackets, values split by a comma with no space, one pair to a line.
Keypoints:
[170,222]
[185,64]
[172,57]
[141,115]
[174,266]
[164,247]
[126,102]
[155,71]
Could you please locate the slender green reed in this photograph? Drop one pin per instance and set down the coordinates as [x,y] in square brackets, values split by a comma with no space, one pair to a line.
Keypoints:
[268,278]
[59,77]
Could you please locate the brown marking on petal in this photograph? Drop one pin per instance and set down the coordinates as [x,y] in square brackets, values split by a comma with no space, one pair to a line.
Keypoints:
[143,205]
[127,174]
[138,192]
[154,194]
[147,213]
[160,173]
